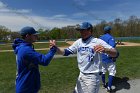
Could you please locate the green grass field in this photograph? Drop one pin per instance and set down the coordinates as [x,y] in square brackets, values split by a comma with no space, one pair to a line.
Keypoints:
[128,62]
[60,76]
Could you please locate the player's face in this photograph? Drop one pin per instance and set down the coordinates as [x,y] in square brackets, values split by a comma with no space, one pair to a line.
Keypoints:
[34,37]
[31,38]
[85,33]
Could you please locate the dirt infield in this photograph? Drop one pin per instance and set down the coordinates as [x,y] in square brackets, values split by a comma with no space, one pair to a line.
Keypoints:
[128,44]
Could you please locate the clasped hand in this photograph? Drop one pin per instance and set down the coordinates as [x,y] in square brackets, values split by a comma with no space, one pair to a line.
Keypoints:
[52,43]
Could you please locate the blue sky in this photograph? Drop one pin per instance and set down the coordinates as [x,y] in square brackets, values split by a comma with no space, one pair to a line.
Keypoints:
[16,14]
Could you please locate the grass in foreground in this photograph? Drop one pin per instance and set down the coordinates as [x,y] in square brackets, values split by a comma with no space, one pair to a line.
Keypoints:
[60,76]
[129,62]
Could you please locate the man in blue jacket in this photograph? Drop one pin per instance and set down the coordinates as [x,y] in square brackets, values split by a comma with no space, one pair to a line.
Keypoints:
[28,61]
[108,63]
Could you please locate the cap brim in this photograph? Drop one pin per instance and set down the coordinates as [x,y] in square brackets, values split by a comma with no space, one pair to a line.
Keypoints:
[36,33]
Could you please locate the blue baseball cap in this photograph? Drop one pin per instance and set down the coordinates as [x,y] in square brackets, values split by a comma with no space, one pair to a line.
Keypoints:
[84,25]
[28,30]
[107,28]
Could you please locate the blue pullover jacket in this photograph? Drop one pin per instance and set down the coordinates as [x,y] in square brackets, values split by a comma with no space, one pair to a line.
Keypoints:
[111,41]
[27,60]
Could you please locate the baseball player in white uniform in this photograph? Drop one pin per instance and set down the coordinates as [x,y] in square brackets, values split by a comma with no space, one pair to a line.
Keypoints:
[88,50]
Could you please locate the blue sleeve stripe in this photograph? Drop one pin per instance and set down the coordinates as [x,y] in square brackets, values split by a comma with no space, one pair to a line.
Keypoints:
[67,52]
[70,50]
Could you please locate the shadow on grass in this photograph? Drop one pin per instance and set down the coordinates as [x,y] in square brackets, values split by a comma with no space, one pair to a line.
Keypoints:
[120,83]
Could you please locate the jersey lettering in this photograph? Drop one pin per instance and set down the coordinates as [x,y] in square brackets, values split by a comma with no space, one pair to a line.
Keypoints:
[86,49]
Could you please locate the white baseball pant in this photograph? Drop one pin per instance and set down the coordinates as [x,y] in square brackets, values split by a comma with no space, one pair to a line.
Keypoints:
[111,67]
[87,83]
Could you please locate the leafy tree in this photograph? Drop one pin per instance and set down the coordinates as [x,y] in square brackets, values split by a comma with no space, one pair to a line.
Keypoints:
[4,33]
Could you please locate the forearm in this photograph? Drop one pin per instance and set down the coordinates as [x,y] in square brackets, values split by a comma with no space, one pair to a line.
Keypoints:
[111,52]
[45,60]
[60,51]
[64,52]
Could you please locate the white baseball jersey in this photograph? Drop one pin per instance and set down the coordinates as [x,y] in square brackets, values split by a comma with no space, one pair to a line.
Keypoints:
[88,60]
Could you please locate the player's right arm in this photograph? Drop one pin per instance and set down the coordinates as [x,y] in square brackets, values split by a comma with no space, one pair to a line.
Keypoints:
[70,50]
[103,47]
[64,52]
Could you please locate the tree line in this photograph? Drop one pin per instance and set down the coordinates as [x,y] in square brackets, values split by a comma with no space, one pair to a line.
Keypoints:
[120,28]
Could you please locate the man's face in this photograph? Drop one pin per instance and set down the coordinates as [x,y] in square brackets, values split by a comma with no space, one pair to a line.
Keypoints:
[34,37]
[85,33]
[31,38]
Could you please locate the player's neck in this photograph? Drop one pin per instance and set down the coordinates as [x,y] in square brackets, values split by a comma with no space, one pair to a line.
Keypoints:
[86,39]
